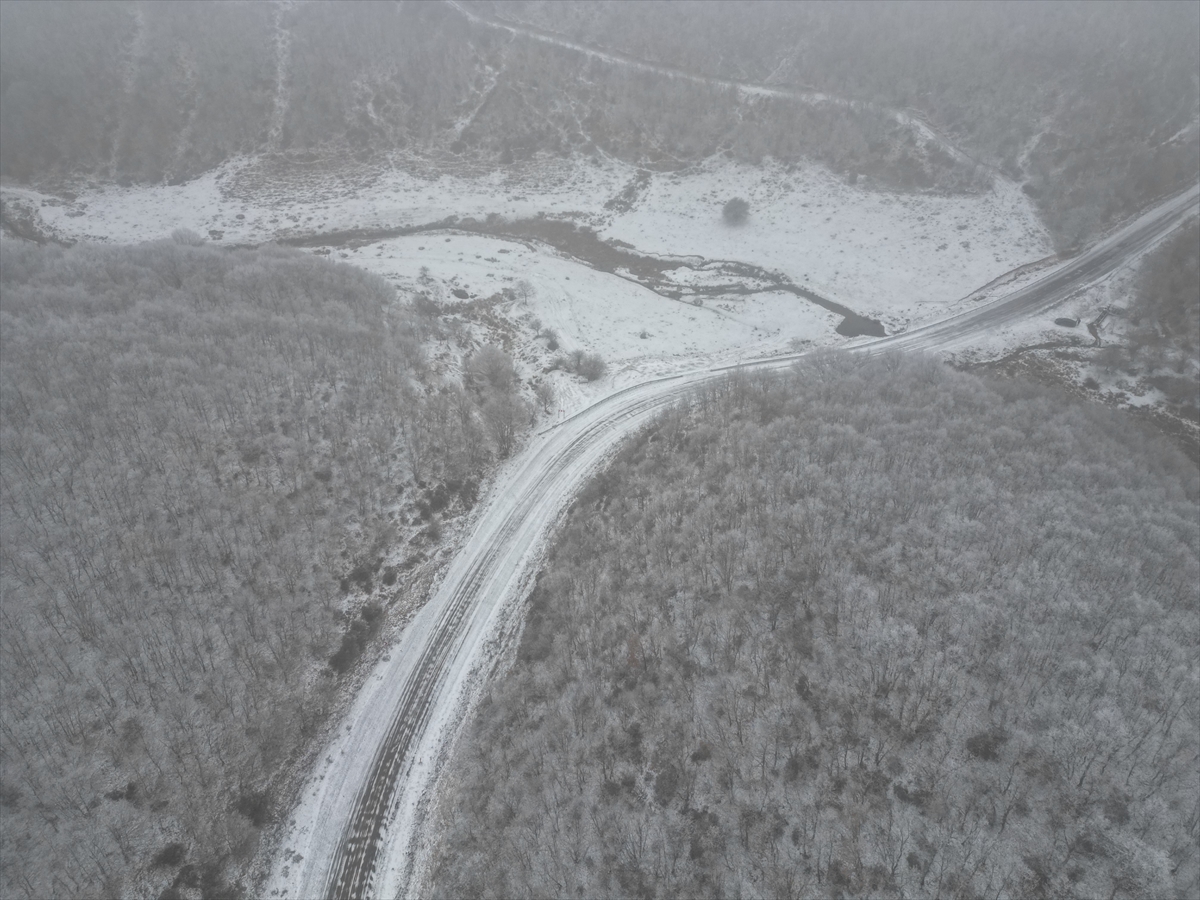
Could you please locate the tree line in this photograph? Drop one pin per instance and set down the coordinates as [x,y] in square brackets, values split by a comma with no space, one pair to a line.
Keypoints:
[874,628]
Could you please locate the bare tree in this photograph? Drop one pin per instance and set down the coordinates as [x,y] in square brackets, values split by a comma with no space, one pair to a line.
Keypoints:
[490,368]
[544,392]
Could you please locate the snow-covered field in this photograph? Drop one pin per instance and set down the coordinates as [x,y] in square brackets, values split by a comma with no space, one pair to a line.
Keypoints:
[903,259]
[900,258]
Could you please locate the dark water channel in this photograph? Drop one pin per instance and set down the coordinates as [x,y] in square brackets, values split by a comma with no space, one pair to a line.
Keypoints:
[614,257]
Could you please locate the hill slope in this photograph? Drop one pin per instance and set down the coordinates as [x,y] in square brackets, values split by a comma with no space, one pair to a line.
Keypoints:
[1097,113]
[874,629]
[221,473]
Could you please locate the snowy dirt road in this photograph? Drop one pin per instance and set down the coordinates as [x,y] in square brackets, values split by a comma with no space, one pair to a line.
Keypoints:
[1098,263]
[357,825]
[358,831]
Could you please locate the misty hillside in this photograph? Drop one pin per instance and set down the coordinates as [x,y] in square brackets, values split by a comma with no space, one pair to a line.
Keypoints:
[871,629]
[379,515]
[1096,106]
[1095,113]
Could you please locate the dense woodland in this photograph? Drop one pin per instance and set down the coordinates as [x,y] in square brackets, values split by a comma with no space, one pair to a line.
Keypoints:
[874,628]
[209,461]
[1092,106]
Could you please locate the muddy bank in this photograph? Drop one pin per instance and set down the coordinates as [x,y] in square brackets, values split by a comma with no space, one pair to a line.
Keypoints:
[614,257]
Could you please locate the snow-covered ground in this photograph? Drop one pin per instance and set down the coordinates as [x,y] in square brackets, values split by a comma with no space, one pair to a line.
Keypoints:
[1088,367]
[1070,352]
[904,259]
[633,328]
[257,200]
[881,253]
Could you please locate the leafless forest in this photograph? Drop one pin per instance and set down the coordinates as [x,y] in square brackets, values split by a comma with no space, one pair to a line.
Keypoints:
[871,629]
[198,448]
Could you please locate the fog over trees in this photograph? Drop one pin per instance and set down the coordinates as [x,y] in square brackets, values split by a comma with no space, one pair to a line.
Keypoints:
[872,629]
[1092,106]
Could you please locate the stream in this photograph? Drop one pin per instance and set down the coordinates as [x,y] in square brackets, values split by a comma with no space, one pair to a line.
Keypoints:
[614,257]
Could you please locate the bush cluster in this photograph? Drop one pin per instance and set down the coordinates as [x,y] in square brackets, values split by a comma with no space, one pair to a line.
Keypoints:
[589,365]
[735,211]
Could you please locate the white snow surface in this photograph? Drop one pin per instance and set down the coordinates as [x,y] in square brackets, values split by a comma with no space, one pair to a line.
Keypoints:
[905,259]
[637,331]
[901,257]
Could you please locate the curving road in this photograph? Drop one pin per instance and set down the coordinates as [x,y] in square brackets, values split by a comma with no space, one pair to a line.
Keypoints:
[1094,265]
[359,826]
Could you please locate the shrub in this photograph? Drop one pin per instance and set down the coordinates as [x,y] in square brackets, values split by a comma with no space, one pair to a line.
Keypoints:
[425,307]
[187,237]
[735,211]
[490,367]
[355,640]
[591,366]
[255,806]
